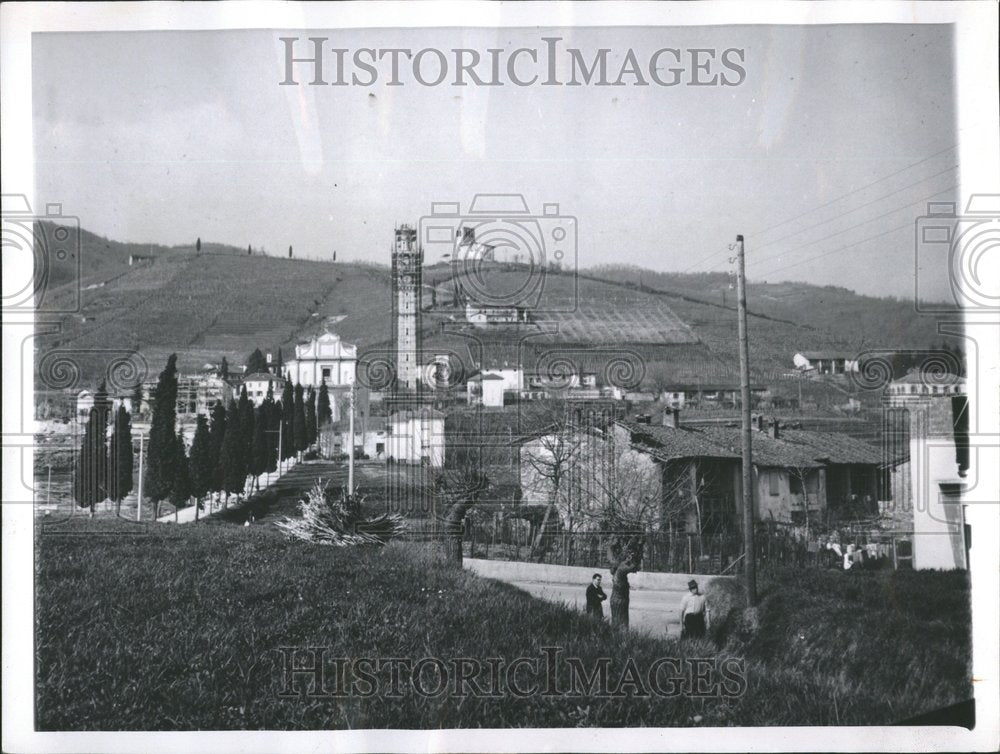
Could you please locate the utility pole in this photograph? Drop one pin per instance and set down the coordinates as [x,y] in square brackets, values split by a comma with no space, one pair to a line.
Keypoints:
[280,425]
[138,496]
[750,564]
[350,453]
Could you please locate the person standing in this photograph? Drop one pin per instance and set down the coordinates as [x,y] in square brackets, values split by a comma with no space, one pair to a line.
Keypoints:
[694,611]
[595,596]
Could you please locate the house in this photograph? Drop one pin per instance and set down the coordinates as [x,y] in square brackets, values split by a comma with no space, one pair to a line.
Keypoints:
[710,395]
[371,437]
[798,475]
[482,315]
[323,358]
[416,436]
[826,362]
[927,431]
[486,390]
[258,383]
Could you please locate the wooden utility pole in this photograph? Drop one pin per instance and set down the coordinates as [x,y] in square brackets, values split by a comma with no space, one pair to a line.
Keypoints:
[138,498]
[750,564]
[350,451]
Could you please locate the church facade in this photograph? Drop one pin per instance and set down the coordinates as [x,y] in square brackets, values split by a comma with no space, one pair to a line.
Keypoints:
[324,358]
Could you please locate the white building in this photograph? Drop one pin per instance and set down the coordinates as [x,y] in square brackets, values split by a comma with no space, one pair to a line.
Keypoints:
[826,362]
[417,436]
[324,358]
[485,389]
[932,477]
[257,386]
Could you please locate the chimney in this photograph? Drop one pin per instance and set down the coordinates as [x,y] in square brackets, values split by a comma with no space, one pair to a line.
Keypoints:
[672,418]
[774,428]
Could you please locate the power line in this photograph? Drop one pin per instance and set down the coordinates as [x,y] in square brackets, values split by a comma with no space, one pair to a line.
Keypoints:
[851,193]
[860,206]
[834,201]
[850,228]
[839,249]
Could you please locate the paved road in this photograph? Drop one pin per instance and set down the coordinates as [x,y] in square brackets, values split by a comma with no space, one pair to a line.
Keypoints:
[654,611]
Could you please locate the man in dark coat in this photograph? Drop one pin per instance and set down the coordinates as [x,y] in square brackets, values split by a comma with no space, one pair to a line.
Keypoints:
[595,596]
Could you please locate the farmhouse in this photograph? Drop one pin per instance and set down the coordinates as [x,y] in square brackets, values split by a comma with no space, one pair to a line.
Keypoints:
[693,474]
[710,395]
[826,362]
[482,315]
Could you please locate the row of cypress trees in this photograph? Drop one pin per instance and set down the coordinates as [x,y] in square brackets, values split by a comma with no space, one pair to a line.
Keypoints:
[239,442]
[104,472]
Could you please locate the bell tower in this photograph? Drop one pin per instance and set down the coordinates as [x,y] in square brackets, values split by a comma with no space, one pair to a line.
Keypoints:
[407,264]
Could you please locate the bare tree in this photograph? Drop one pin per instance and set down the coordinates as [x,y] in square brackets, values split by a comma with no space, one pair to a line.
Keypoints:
[551,456]
[623,494]
[460,486]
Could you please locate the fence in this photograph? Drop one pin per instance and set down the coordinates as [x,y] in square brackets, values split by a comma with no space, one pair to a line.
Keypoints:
[776,545]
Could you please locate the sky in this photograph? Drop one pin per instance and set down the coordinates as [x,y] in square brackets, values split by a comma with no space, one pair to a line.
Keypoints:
[823,157]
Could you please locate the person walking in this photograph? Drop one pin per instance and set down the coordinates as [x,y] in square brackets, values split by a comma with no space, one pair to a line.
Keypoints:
[595,596]
[694,613]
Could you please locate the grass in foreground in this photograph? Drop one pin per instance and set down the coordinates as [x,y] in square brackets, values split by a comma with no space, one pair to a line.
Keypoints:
[182,628]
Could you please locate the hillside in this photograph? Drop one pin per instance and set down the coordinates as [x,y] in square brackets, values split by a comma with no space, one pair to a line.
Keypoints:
[873,322]
[223,302]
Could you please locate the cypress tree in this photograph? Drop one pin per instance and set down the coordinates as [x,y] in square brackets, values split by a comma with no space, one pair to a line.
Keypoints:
[180,490]
[324,413]
[246,410]
[160,469]
[224,369]
[259,450]
[201,470]
[287,409]
[120,459]
[92,462]
[216,434]
[289,252]
[256,362]
[272,421]
[232,455]
[137,399]
[311,433]
[279,366]
[197,245]
[299,420]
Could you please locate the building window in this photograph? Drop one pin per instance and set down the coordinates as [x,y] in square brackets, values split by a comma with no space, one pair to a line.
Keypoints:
[326,373]
[772,483]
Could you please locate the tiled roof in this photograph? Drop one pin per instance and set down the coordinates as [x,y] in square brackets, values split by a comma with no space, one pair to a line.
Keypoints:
[838,448]
[668,444]
[793,448]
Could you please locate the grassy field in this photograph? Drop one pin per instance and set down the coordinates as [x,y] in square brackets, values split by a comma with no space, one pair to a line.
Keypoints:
[183,628]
